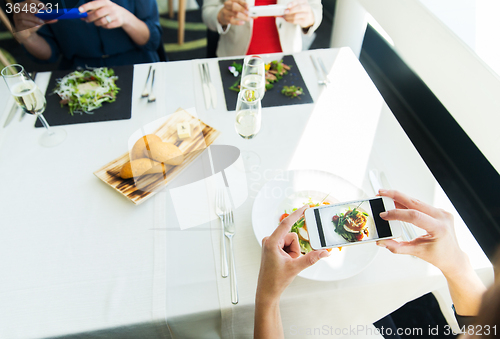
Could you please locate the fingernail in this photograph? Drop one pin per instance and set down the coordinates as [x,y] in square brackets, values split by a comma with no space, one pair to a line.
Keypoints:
[382,190]
[41,22]
[324,254]
[381,244]
[242,22]
[287,11]
[81,9]
[383,214]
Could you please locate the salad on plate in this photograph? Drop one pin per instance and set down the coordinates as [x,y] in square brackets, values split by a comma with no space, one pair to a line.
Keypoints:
[84,91]
[300,227]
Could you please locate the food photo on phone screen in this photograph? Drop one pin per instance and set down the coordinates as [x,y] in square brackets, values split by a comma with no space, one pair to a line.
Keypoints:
[350,223]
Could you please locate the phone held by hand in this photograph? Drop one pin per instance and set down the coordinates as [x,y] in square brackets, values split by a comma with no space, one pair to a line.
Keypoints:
[61,14]
[350,223]
[269,10]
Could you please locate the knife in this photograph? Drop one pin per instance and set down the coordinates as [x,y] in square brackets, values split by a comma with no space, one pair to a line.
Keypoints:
[206,90]
[211,86]
[322,65]
[11,115]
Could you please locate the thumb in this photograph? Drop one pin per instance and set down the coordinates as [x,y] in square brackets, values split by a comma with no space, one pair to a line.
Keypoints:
[396,247]
[310,259]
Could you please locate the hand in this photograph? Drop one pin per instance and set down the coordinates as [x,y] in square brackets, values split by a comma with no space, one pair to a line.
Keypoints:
[282,260]
[299,12]
[234,12]
[439,246]
[26,23]
[99,11]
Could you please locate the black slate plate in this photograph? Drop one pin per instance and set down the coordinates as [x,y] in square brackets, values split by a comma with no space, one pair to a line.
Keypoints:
[273,97]
[119,110]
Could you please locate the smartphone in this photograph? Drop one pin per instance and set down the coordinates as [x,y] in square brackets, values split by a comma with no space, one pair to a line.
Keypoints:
[62,14]
[350,223]
[269,10]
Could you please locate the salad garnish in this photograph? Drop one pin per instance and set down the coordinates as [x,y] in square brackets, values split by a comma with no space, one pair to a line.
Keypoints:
[351,225]
[275,70]
[301,229]
[85,91]
[292,91]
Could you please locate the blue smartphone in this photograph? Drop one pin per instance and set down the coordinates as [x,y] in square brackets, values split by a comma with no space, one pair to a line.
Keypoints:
[61,14]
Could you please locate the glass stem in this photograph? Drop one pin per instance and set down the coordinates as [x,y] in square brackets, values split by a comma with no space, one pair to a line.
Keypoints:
[45,124]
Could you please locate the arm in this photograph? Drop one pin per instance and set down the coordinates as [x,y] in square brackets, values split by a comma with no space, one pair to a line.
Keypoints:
[26,27]
[466,290]
[220,16]
[438,247]
[267,319]
[107,14]
[280,264]
[305,13]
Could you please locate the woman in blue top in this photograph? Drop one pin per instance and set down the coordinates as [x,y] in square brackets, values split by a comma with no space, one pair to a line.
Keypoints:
[118,32]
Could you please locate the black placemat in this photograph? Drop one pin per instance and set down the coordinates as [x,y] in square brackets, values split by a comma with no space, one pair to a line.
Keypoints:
[119,110]
[273,97]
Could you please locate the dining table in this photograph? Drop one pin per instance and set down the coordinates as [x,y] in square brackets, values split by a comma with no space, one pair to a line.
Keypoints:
[77,259]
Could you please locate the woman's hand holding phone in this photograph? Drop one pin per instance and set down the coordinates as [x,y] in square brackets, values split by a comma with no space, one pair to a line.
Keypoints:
[109,15]
[25,22]
[438,247]
[299,12]
[106,14]
[234,12]
[280,264]
[281,258]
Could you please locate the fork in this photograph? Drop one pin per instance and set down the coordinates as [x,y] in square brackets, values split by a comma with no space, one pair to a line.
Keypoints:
[219,210]
[325,81]
[229,232]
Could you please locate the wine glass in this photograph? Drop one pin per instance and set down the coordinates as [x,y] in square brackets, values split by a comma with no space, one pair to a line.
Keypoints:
[253,75]
[248,123]
[29,97]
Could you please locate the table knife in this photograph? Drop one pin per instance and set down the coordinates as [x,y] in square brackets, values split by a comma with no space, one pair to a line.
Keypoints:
[211,86]
[11,115]
[318,72]
[322,65]
[206,90]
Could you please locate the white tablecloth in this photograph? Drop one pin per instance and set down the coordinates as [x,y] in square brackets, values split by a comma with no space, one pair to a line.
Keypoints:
[79,258]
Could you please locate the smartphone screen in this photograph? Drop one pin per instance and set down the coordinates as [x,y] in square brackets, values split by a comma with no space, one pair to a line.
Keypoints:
[343,224]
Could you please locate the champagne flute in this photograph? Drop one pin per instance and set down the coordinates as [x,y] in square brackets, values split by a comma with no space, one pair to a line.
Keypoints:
[253,75]
[29,97]
[248,123]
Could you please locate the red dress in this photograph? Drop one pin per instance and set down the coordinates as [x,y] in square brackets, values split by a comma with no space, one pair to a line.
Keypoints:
[265,38]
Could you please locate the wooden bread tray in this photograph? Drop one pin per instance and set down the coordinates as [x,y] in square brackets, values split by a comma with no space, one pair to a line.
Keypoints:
[202,136]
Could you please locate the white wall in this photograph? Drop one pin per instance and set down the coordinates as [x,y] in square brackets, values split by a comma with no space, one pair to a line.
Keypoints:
[466,86]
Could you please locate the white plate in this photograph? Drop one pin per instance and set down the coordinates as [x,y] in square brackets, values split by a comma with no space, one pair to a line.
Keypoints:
[292,189]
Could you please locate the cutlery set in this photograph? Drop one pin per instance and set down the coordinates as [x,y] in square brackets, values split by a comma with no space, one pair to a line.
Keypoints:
[149,93]
[14,108]
[225,213]
[208,87]
[315,62]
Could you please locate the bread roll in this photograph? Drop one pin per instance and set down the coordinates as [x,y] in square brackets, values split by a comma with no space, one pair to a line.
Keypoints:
[160,168]
[138,167]
[141,145]
[166,153]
